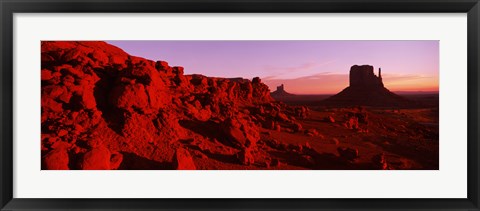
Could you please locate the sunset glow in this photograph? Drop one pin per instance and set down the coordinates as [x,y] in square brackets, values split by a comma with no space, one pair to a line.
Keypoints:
[305,67]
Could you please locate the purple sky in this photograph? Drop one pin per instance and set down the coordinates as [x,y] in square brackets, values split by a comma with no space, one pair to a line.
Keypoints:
[305,67]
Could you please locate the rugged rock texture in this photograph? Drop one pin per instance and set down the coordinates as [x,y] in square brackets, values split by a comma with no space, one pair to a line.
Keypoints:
[105,109]
[366,89]
[183,160]
[102,108]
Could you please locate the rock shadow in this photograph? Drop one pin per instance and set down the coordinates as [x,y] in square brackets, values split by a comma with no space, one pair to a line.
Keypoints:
[113,116]
[132,161]
[218,157]
[321,161]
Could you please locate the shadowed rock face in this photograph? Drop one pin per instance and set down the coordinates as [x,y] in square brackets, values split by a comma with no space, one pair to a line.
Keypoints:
[363,76]
[366,89]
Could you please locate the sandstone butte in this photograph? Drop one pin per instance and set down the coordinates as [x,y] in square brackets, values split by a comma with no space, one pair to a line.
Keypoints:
[280,92]
[367,89]
[102,108]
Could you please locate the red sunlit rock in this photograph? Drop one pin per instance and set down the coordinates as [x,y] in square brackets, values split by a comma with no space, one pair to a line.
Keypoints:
[183,160]
[56,159]
[96,159]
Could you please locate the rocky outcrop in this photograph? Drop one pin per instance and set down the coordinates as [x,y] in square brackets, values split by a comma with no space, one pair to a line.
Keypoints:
[57,159]
[103,109]
[183,160]
[366,89]
[101,159]
[348,153]
[104,106]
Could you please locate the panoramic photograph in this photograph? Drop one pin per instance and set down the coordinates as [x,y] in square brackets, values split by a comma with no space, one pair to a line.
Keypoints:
[240,105]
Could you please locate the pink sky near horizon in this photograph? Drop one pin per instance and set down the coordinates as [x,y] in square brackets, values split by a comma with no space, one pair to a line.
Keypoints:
[305,67]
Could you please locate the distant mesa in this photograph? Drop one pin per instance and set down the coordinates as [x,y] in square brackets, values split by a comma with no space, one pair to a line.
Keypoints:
[280,92]
[366,89]
[363,77]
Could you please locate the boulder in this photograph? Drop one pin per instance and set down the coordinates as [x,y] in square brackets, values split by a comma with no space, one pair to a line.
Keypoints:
[245,157]
[348,153]
[129,97]
[351,123]
[275,163]
[277,127]
[282,117]
[162,66]
[56,159]
[46,75]
[329,119]
[242,132]
[379,162]
[311,132]
[297,127]
[96,159]
[301,112]
[182,160]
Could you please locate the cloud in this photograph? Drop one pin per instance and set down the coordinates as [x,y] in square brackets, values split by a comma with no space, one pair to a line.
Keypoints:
[303,66]
[332,83]
[411,82]
[396,77]
[321,83]
[291,72]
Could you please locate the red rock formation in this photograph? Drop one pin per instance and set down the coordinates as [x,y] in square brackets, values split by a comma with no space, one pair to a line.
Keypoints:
[105,108]
[348,153]
[366,89]
[245,157]
[56,159]
[183,160]
[379,162]
[363,76]
[100,159]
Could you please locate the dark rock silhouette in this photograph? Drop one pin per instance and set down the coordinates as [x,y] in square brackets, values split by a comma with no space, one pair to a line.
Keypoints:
[363,76]
[280,92]
[366,89]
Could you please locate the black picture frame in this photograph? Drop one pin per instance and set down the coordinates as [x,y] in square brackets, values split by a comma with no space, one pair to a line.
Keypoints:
[9,7]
